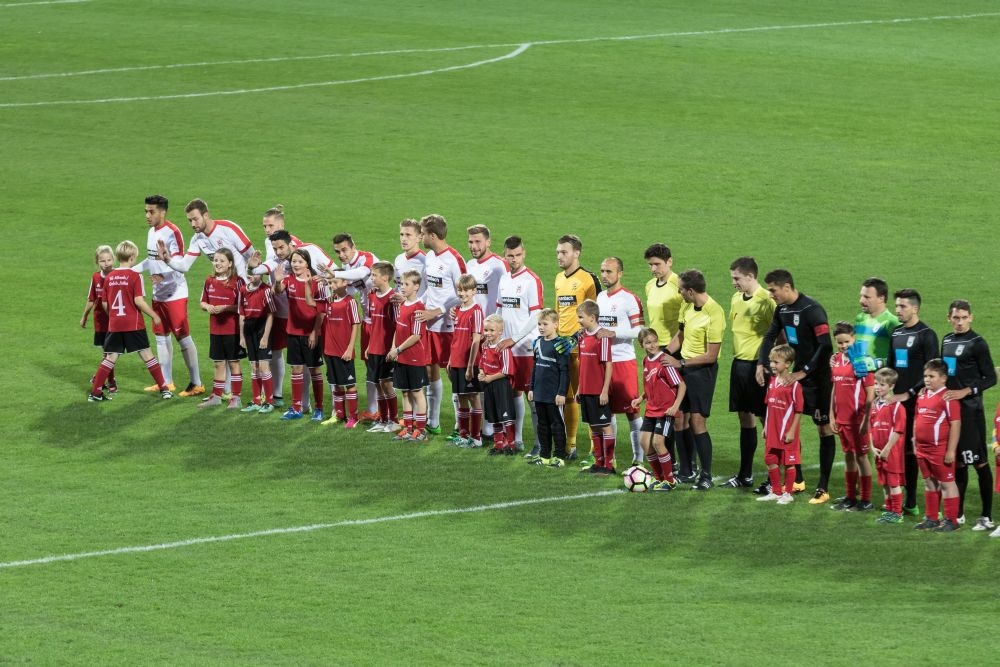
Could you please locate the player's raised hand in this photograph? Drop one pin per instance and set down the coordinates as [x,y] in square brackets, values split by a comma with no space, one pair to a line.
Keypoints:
[161,251]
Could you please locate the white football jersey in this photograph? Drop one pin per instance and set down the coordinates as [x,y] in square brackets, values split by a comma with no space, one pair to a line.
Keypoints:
[487,271]
[414,262]
[519,297]
[621,311]
[441,273]
[174,285]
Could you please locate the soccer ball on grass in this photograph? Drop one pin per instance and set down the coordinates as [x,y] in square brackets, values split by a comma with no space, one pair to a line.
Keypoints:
[637,479]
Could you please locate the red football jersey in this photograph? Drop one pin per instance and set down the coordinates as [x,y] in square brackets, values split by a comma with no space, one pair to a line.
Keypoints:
[493,360]
[218,292]
[382,315]
[406,326]
[257,302]
[96,295]
[885,419]
[342,314]
[301,316]
[783,402]
[594,354]
[932,421]
[850,393]
[660,384]
[468,322]
[121,286]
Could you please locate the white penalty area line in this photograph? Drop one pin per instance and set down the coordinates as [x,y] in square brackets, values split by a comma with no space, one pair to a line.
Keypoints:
[41,2]
[268,89]
[305,529]
[448,49]
[521,48]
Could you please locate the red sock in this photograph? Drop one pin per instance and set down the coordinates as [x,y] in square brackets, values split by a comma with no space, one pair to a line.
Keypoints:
[298,384]
[508,433]
[463,422]
[218,387]
[609,450]
[932,499]
[111,378]
[896,503]
[789,479]
[419,421]
[255,386]
[476,424]
[408,420]
[267,384]
[236,382]
[597,447]
[393,408]
[352,403]
[951,509]
[666,465]
[338,402]
[103,370]
[498,441]
[866,487]
[383,409]
[153,366]
[654,463]
[851,482]
[774,475]
[317,388]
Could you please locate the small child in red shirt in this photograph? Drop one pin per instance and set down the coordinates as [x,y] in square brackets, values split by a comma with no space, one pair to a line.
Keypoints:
[496,369]
[411,354]
[663,390]
[256,308]
[937,423]
[341,329]
[104,257]
[462,369]
[849,403]
[782,447]
[886,430]
[219,299]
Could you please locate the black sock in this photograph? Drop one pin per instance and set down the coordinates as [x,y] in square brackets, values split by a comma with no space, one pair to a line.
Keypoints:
[827,453]
[671,442]
[986,489]
[703,441]
[688,436]
[798,474]
[912,477]
[684,453]
[962,481]
[748,447]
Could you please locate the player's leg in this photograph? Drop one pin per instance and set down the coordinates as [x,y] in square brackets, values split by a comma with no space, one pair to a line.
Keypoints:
[179,326]
[236,379]
[571,411]
[932,496]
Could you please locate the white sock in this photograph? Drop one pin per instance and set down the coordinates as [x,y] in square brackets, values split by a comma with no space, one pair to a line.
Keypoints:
[435,392]
[190,354]
[519,418]
[165,355]
[371,393]
[277,372]
[634,425]
[229,381]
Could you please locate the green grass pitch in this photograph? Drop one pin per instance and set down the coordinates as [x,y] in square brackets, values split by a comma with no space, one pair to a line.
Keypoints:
[840,140]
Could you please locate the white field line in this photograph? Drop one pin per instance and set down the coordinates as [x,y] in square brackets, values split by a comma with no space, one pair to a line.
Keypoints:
[521,48]
[243,91]
[551,42]
[41,2]
[305,529]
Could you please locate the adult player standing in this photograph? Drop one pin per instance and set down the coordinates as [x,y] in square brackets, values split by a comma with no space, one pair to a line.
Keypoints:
[574,285]
[663,300]
[621,320]
[970,373]
[519,302]
[209,235]
[411,259]
[873,326]
[443,267]
[806,328]
[750,313]
[170,297]
[913,345]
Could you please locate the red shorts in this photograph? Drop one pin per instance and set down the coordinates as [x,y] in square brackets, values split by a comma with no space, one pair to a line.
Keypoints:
[624,386]
[279,335]
[933,466]
[439,344]
[173,318]
[887,476]
[851,439]
[521,379]
[783,457]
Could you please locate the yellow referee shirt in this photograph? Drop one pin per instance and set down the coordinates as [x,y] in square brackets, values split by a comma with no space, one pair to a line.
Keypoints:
[571,291]
[663,306]
[749,319]
[702,326]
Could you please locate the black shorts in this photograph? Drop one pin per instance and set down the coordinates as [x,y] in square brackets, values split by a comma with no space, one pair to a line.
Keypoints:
[253,332]
[593,412]
[745,395]
[99,338]
[119,342]
[971,448]
[377,368]
[700,382]
[409,378]
[657,425]
[816,401]
[298,352]
[224,347]
[459,385]
[498,401]
[340,373]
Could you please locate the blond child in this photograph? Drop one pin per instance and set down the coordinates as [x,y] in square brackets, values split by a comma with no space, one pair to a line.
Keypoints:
[663,390]
[782,446]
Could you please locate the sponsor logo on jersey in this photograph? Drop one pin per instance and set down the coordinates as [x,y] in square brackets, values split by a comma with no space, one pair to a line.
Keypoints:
[609,321]
[566,300]
[795,319]
[435,281]
[512,302]
[910,340]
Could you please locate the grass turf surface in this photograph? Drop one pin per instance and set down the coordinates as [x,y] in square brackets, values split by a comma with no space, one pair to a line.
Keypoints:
[839,152]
